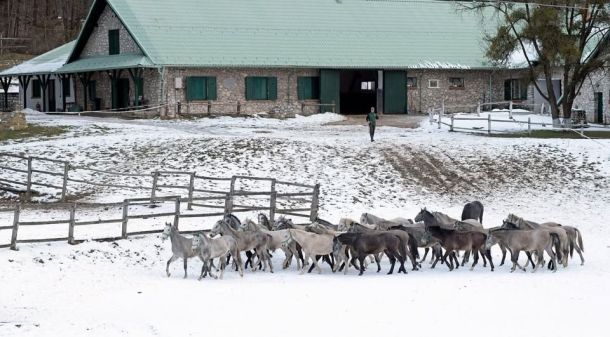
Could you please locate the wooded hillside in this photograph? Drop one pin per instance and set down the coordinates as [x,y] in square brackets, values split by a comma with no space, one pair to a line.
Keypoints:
[32,27]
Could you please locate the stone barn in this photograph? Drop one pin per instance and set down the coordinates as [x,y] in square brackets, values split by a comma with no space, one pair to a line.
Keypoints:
[171,57]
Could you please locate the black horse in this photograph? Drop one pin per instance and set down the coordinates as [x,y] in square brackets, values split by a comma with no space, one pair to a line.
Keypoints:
[364,244]
[473,210]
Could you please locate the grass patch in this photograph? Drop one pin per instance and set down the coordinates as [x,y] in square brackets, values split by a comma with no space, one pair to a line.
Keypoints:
[566,134]
[33,130]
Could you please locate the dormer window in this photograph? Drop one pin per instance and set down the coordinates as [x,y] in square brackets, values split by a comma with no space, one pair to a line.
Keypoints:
[114,46]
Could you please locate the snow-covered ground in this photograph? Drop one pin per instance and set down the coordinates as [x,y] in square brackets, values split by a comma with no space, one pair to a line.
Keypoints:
[120,289]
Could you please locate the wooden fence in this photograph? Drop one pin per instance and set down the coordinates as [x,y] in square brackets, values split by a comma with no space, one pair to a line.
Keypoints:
[220,201]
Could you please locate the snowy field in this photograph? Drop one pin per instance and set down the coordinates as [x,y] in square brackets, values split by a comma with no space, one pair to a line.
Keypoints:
[120,288]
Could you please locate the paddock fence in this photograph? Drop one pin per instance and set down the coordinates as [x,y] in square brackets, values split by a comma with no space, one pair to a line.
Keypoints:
[204,195]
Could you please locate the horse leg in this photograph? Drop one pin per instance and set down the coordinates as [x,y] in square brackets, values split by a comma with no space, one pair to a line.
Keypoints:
[491,262]
[466,257]
[514,257]
[313,265]
[222,266]
[530,260]
[315,262]
[203,269]
[475,259]
[361,258]
[503,254]
[484,256]
[304,264]
[447,252]
[377,261]
[238,262]
[171,259]
[425,254]
[392,259]
[579,251]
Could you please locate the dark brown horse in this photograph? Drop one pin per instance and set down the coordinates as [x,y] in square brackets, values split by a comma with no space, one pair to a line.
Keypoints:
[364,244]
[453,241]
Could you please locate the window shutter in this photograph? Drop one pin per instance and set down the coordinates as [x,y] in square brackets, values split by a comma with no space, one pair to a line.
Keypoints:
[190,88]
[271,88]
[301,84]
[249,88]
[211,88]
[195,88]
[507,91]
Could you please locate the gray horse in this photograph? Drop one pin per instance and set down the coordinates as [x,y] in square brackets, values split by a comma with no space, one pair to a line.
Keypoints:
[533,241]
[209,249]
[182,247]
[247,241]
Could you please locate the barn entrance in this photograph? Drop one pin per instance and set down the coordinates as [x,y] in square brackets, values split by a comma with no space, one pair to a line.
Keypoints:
[358,91]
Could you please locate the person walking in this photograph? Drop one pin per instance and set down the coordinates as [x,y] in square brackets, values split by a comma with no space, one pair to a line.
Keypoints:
[372,118]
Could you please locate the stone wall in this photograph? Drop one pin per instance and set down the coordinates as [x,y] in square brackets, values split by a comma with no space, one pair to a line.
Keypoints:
[479,86]
[597,82]
[231,91]
[13,102]
[98,41]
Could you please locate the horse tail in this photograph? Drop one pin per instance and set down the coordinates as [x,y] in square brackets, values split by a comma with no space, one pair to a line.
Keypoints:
[413,247]
[580,240]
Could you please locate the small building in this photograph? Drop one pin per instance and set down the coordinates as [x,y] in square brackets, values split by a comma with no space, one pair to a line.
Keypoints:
[9,95]
[171,57]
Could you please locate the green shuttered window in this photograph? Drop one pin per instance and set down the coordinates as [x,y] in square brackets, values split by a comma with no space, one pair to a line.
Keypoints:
[308,87]
[261,88]
[200,88]
[114,45]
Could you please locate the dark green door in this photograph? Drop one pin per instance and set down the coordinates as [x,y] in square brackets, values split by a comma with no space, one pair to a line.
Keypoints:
[599,104]
[395,91]
[330,84]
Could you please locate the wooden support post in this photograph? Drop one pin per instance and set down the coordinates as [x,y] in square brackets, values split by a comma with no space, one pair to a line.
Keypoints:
[24,81]
[28,191]
[71,224]
[479,109]
[125,219]
[451,127]
[489,124]
[191,189]
[153,189]
[177,213]
[334,109]
[272,204]
[315,203]
[15,227]
[6,84]
[529,126]
[439,120]
[510,109]
[238,107]
[228,204]
[302,107]
[209,108]
[64,186]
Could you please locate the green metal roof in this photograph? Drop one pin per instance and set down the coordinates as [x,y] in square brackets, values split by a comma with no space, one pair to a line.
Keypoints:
[46,63]
[106,62]
[305,33]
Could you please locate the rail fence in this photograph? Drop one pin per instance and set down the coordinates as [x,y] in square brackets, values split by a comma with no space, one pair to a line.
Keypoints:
[512,107]
[218,196]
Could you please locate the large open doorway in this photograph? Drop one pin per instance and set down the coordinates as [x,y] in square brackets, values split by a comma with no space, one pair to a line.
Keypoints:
[358,91]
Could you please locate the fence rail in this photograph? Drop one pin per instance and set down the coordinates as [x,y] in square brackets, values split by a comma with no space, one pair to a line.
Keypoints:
[226,200]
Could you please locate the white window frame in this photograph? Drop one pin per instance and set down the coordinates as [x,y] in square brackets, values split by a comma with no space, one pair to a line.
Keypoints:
[367,85]
[434,87]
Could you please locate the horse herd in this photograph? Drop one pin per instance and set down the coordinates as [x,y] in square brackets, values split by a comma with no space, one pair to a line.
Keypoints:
[358,244]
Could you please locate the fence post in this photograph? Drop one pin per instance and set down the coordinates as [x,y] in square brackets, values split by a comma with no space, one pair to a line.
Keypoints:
[334,107]
[228,204]
[439,120]
[71,224]
[28,191]
[479,109]
[15,227]
[64,187]
[529,126]
[451,127]
[489,124]
[209,108]
[510,109]
[272,203]
[443,107]
[177,213]
[125,218]
[154,186]
[238,107]
[315,203]
[191,189]
[302,107]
